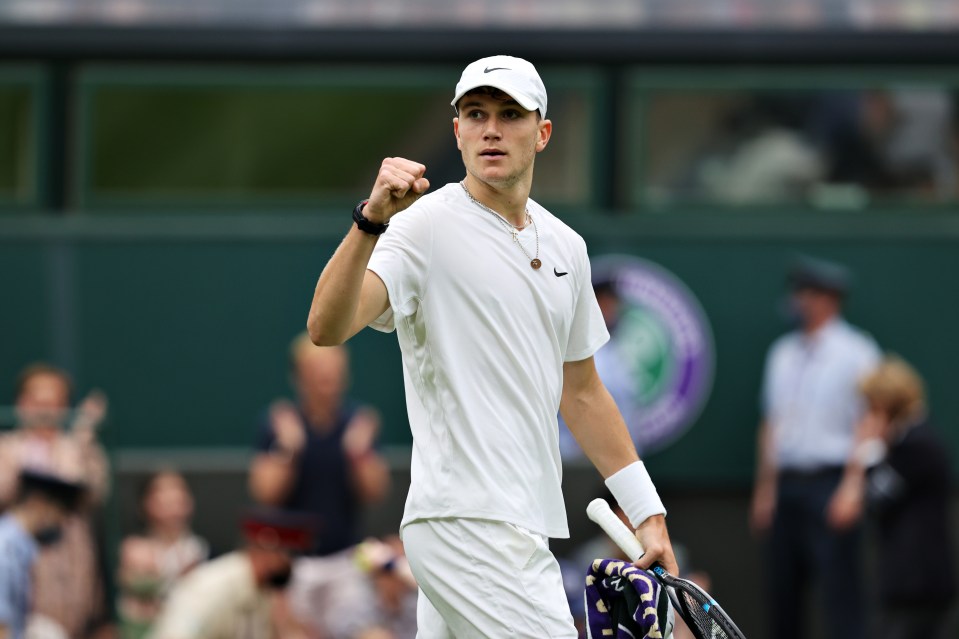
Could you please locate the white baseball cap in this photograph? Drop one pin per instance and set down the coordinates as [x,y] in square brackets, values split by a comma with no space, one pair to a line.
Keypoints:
[514,76]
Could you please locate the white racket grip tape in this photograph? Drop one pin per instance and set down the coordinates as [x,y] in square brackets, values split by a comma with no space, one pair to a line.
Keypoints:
[600,512]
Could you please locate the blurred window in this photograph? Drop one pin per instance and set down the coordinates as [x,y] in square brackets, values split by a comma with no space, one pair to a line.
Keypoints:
[158,138]
[843,144]
[18,139]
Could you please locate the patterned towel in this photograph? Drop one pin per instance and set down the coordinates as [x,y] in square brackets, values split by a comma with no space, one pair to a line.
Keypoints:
[624,602]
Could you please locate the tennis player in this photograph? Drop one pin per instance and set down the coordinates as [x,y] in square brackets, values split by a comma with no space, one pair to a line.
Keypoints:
[491,299]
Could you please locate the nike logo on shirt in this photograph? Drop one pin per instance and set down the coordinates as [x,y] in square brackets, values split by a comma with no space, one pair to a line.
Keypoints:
[488,70]
[558,274]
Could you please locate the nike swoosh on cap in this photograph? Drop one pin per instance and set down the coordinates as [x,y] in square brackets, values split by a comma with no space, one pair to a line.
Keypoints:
[488,70]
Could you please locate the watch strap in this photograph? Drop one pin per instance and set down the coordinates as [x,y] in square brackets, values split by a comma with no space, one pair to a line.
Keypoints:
[364,224]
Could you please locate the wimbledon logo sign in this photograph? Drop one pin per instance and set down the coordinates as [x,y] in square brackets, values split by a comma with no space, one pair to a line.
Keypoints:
[658,364]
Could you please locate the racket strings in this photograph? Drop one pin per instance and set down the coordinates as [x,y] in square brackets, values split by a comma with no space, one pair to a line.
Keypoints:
[706,625]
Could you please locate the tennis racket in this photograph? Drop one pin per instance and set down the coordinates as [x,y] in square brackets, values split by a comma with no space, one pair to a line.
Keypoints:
[705,618]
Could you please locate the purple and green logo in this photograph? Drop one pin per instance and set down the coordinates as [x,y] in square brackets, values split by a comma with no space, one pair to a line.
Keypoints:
[658,364]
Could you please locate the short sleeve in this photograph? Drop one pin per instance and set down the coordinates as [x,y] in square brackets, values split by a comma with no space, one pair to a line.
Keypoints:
[588,328]
[401,259]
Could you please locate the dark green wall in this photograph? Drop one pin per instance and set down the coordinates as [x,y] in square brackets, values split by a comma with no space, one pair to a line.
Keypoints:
[185,321]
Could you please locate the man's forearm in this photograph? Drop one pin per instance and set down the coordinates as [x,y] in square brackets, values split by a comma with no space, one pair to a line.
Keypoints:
[371,477]
[765,456]
[338,289]
[595,421]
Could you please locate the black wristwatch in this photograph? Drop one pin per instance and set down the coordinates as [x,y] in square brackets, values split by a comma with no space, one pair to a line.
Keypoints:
[364,224]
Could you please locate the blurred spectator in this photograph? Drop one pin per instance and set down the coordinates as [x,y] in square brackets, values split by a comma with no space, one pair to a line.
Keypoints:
[150,563]
[396,590]
[810,409]
[911,131]
[760,158]
[908,488]
[612,364]
[35,519]
[897,143]
[68,583]
[830,148]
[318,457]
[235,596]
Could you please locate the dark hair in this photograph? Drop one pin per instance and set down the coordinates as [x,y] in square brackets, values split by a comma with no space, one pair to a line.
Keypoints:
[492,92]
[42,368]
[65,494]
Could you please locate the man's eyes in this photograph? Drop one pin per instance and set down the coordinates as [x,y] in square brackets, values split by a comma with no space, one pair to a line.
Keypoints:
[509,114]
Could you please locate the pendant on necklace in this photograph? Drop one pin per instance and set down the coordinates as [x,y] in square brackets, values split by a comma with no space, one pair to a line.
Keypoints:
[535,263]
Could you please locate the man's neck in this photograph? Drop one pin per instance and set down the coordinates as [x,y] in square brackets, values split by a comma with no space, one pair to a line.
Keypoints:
[814,327]
[320,417]
[510,202]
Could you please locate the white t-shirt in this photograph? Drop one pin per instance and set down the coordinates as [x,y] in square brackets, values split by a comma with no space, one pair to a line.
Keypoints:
[484,338]
[811,398]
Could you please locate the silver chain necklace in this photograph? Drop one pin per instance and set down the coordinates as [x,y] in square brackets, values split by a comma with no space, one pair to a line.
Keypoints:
[512,229]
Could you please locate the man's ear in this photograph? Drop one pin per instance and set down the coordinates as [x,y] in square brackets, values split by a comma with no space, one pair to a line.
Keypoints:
[545,132]
[456,133]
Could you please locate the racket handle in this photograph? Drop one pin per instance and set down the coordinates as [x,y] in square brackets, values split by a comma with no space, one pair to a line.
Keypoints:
[600,512]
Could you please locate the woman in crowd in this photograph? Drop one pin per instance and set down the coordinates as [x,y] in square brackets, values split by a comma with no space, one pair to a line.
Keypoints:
[150,562]
[902,473]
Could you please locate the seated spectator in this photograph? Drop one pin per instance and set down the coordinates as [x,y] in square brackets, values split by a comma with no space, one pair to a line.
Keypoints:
[903,474]
[318,457]
[234,596]
[34,520]
[68,585]
[151,562]
[396,589]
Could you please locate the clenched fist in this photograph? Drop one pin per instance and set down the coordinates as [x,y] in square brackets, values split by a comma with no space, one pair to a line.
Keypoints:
[399,183]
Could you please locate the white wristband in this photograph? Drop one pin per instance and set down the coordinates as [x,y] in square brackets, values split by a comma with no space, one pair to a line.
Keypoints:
[635,492]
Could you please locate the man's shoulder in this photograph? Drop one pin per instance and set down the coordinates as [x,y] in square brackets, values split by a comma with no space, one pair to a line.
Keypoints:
[785,342]
[414,221]
[17,547]
[10,531]
[856,338]
[448,195]
[231,568]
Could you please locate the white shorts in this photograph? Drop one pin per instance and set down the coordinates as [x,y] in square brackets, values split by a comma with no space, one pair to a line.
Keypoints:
[486,579]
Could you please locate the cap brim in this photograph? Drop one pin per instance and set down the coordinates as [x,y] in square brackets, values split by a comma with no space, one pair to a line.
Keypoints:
[523,100]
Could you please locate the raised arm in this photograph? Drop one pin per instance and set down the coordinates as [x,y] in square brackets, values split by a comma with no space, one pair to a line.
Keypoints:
[347,295]
[596,423]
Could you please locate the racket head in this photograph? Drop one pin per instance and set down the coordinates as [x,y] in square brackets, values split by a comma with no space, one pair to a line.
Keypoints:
[704,617]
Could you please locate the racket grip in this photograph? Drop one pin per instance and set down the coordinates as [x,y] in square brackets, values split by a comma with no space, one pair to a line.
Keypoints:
[600,512]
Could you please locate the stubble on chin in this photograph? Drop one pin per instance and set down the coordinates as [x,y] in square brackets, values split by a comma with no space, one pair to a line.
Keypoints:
[505,182]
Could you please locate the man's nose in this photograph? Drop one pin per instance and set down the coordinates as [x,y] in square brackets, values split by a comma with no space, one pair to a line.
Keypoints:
[492,131]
